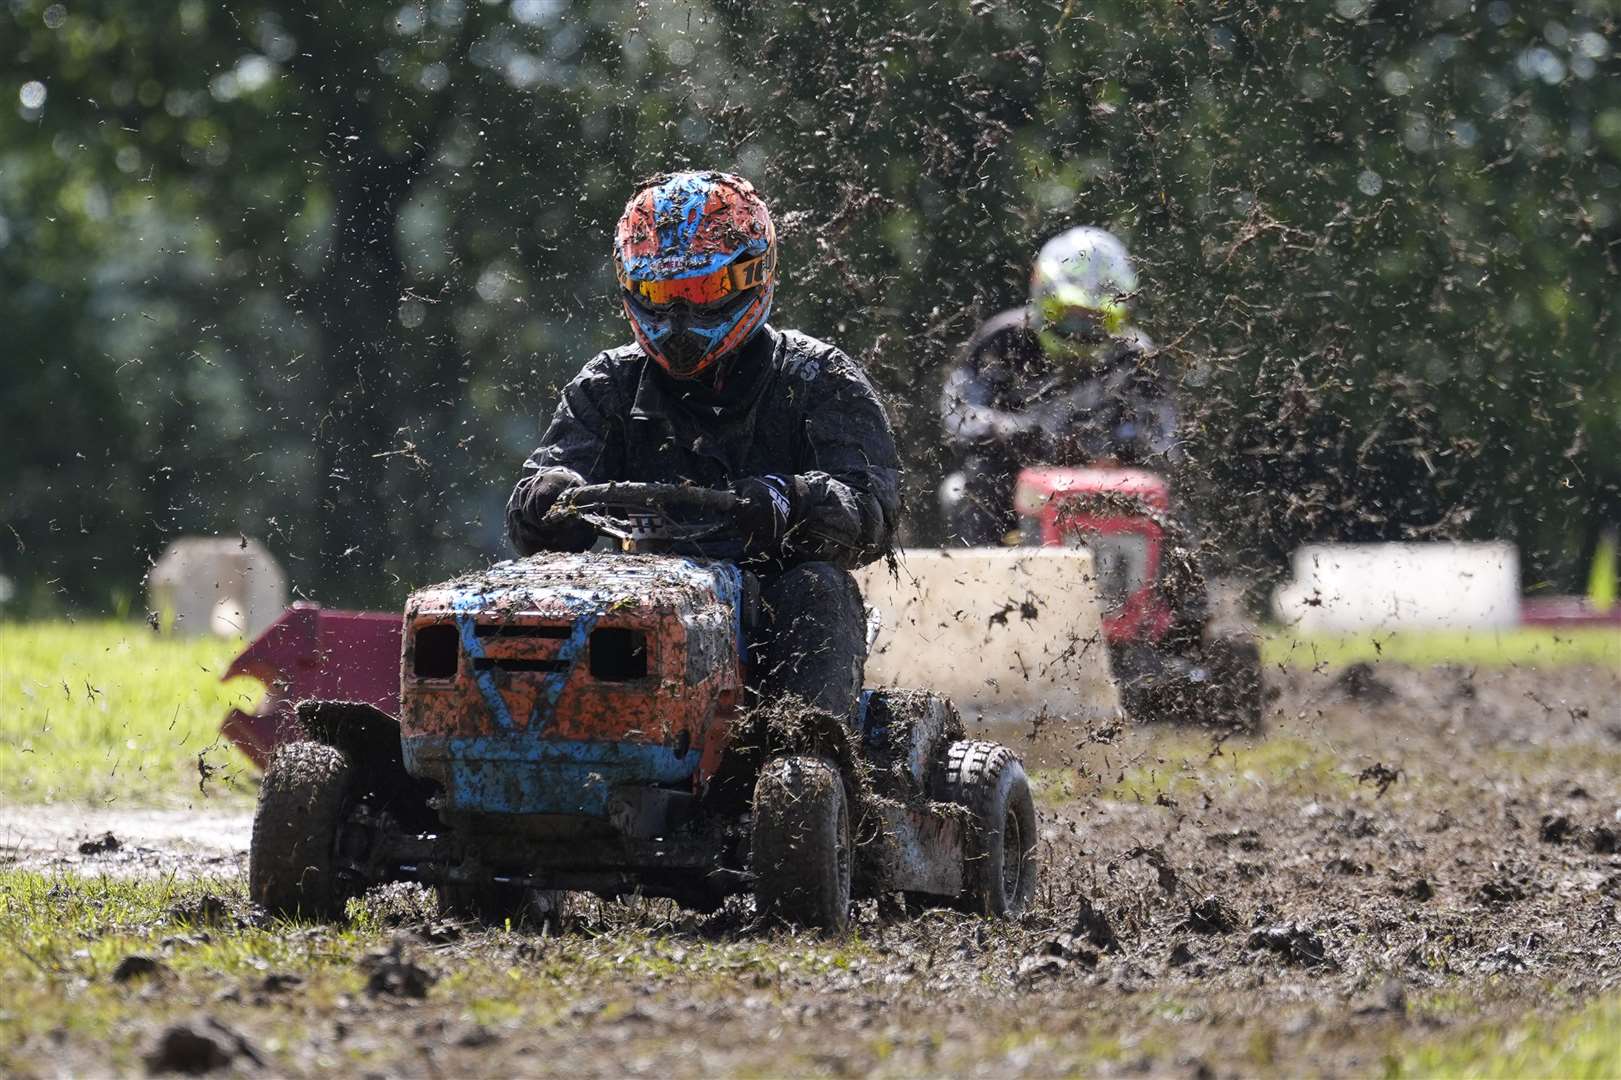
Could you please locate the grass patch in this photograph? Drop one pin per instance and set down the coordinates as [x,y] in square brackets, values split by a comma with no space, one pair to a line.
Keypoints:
[1558,761]
[1585,1045]
[109,711]
[1055,786]
[628,984]
[1176,767]
[1522,646]
[61,938]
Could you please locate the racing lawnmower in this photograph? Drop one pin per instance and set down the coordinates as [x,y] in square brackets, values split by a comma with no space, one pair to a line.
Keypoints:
[578,723]
[1169,663]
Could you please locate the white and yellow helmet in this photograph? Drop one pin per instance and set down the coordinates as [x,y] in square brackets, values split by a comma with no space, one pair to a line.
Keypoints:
[1082,288]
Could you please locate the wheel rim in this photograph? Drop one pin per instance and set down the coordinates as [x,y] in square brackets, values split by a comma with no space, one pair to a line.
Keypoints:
[1012,856]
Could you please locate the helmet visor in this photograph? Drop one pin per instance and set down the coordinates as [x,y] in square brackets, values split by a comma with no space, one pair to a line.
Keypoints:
[705,291]
[1079,325]
[1084,324]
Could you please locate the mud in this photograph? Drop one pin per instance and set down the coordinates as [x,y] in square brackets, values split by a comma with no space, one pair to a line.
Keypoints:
[203,1046]
[393,972]
[1209,907]
[199,842]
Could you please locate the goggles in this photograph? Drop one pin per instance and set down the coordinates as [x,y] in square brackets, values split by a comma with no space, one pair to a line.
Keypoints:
[704,291]
[1084,325]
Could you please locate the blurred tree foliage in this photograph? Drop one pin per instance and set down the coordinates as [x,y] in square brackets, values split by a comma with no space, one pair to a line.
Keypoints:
[314,272]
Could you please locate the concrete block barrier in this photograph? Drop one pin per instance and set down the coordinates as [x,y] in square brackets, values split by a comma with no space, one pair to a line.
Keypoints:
[1005,632]
[221,585]
[1348,587]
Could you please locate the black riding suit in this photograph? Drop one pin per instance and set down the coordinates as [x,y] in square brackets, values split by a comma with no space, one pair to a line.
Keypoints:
[1008,405]
[787,404]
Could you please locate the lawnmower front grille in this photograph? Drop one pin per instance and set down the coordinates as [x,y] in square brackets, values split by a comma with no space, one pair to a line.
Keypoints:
[515,630]
[486,663]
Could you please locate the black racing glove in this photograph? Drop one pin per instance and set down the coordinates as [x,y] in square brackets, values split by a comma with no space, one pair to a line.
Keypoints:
[532,531]
[765,510]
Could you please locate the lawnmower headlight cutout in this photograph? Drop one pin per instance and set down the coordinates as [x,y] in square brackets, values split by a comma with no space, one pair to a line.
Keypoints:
[1120,560]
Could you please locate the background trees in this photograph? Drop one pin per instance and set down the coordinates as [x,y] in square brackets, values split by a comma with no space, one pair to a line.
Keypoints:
[315,271]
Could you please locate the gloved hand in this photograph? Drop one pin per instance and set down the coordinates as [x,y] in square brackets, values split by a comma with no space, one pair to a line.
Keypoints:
[1075,428]
[532,531]
[765,510]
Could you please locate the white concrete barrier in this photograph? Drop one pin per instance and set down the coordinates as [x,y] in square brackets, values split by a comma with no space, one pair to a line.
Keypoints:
[216,584]
[1005,632]
[1350,587]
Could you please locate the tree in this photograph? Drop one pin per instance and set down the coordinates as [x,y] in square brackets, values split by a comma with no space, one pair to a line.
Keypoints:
[317,274]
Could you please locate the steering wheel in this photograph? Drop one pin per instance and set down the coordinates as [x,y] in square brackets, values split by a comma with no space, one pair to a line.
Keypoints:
[649,516]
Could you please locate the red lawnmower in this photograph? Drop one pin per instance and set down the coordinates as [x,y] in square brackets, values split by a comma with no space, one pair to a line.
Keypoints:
[1168,662]
[575,723]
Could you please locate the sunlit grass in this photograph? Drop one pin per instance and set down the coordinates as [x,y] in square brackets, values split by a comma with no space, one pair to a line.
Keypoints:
[109,711]
[62,936]
[1557,761]
[61,939]
[1177,763]
[1177,766]
[1585,1045]
[1525,646]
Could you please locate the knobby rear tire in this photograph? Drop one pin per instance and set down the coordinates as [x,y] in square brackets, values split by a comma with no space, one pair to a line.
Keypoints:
[999,847]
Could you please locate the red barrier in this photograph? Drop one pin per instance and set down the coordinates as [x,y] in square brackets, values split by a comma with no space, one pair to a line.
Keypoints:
[1570,611]
[311,652]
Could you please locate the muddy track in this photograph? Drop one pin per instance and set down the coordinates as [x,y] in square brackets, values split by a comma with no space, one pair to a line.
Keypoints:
[1401,840]
[187,843]
[1423,826]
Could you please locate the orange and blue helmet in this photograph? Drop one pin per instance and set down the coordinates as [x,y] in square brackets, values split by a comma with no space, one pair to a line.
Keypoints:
[696,256]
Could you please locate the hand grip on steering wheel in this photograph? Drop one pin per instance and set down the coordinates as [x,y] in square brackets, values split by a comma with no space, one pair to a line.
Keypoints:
[632,496]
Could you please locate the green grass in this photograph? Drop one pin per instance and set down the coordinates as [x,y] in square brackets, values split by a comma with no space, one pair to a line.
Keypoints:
[1527,646]
[110,711]
[60,938]
[1585,1045]
[1552,762]
[1176,765]
[1179,766]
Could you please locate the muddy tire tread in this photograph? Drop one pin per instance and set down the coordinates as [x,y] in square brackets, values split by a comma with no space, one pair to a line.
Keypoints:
[800,805]
[301,802]
[988,780]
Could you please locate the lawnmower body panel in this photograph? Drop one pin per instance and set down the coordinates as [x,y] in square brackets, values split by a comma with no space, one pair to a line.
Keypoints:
[543,685]
[1111,511]
[1120,514]
[314,653]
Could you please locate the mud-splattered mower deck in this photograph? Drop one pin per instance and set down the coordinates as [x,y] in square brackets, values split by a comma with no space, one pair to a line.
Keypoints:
[574,722]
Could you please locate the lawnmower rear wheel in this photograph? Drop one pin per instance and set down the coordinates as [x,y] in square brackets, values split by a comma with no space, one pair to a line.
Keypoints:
[1235,668]
[999,851]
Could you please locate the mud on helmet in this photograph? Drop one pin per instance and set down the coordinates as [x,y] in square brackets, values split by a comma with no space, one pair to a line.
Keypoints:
[696,257]
[1081,289]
